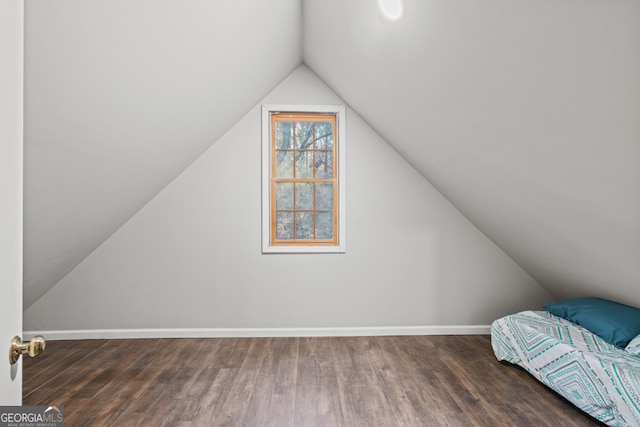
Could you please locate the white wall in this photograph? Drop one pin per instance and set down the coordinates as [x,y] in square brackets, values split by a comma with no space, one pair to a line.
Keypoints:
[524,114]
[120,97]
[191,258]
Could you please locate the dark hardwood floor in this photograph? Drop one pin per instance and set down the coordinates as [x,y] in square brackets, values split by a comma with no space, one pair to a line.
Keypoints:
[359,381]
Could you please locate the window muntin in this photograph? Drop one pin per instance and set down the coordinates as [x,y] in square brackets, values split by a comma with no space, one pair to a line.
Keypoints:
[303,186]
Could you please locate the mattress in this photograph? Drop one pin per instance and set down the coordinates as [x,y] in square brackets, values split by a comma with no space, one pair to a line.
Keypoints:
[597,377]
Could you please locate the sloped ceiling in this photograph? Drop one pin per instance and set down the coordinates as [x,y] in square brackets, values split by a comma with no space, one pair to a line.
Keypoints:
[121,96]
[525,115]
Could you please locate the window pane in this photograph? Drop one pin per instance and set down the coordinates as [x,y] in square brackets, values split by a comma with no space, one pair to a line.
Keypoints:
[284,225]
[324,196]
[304,196]
[324,164]
[284,135]
[324,225]
[304,225]
[304,135]
[300,179]
[304,164]
[324,136]
[284,164]
[284,196]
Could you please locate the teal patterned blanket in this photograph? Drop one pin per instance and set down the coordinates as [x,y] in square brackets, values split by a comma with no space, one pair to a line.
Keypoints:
[597,377]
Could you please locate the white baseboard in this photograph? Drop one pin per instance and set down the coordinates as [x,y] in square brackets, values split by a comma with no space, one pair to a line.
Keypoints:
[257,332]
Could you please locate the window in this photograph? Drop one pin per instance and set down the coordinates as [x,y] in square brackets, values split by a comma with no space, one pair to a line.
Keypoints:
[303,179]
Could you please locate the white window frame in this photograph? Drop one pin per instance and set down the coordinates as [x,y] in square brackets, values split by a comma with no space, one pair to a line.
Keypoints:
[339,112]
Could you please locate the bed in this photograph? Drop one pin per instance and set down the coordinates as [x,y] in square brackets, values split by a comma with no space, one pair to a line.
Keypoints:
[598,373]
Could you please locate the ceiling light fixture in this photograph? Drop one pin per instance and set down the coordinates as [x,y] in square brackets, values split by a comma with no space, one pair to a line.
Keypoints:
[392,9]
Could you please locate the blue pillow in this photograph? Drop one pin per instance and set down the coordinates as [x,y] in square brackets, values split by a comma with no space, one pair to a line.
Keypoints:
[614,322]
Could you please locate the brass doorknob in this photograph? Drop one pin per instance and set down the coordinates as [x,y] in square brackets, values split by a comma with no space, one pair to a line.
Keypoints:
[33,348]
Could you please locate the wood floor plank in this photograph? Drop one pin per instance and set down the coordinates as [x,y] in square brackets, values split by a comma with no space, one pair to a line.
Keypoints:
[332,381]
[315,404]
[50,367]
[282,400]
[402,377]
[234,409]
